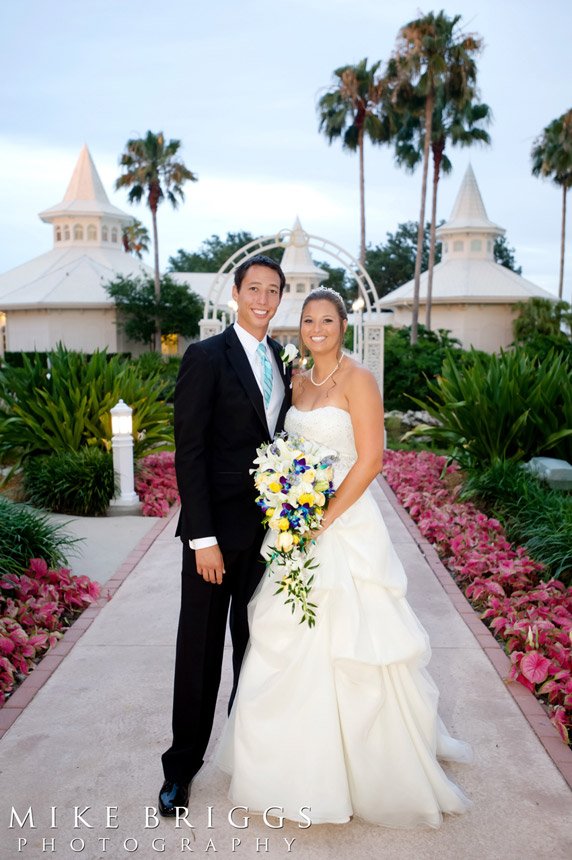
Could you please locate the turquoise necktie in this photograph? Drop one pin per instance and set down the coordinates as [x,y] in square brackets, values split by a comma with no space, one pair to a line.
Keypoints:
[266,373]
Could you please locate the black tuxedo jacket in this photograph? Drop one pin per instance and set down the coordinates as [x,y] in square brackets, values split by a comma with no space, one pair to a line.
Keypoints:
[219,424]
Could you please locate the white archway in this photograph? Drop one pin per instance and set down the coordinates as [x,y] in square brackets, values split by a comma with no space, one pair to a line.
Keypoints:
[370,317]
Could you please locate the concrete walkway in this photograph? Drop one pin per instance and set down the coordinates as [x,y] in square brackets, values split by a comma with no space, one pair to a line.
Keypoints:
[93,734]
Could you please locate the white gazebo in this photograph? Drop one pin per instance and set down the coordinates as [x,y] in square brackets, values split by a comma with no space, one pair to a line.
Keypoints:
[60,296]
[473,296]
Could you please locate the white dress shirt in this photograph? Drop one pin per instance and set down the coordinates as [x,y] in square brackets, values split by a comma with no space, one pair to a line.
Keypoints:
[250,345]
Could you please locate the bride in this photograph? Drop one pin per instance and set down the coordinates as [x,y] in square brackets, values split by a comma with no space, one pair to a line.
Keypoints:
[341,718]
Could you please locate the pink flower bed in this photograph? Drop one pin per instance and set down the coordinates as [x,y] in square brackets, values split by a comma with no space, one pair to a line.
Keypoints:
[533,618]
[156,484]
[35,608]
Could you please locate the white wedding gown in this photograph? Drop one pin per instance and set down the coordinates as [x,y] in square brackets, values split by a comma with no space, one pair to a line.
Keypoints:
[341,717]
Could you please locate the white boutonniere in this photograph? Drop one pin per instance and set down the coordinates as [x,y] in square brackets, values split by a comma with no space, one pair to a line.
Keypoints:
[288,355]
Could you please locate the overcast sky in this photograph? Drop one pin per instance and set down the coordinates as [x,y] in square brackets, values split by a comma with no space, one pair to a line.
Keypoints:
[238,84]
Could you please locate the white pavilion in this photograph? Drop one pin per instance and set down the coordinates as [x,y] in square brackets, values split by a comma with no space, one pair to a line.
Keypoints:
[473,296]
[60,295]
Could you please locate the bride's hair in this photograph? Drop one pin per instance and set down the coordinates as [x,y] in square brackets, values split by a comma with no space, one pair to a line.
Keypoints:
[328,295]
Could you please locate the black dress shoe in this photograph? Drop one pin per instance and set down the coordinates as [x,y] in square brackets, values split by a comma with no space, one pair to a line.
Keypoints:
[172,795]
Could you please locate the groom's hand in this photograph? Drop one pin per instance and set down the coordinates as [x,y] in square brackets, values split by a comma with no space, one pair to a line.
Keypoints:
[210,564]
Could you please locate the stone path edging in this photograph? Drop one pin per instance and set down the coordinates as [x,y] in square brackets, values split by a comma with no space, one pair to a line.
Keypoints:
[24,694]
[531,708]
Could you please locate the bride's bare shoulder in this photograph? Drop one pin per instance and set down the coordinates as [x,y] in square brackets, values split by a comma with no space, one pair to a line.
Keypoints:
[359,382]
[356,372]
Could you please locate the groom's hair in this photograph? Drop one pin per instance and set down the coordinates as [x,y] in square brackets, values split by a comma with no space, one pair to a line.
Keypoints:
[258,260]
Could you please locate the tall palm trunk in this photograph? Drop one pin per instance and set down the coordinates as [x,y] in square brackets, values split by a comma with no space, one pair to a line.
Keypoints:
[157,277]
[562,243]
[420,231]
[362,197]
[437,149]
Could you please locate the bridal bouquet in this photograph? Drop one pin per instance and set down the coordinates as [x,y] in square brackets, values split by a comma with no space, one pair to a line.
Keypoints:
[294,478]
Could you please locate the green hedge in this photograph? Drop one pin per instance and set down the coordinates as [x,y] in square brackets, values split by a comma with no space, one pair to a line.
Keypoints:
[71,482]
[408,368]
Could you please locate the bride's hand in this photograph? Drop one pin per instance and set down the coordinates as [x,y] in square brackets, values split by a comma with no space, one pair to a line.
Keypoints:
[315,533]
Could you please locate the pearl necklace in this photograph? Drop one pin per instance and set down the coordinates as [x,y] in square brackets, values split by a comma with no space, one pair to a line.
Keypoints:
[317,384]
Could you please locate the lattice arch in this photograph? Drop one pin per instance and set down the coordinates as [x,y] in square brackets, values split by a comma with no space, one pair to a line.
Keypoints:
[210,324]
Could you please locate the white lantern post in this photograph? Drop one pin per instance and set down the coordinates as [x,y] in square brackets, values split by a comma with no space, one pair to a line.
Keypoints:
[122,447]
[357,308]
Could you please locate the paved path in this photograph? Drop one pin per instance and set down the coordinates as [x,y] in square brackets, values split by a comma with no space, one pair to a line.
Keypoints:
[93,734]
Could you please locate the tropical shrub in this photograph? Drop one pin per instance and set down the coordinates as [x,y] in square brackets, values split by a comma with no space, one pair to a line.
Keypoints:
[532,514]
[408,367]
[510,406]
[71,482]
[532,618]
[156,484]
[165,367]
[26,534]
[67,406]
[35,607]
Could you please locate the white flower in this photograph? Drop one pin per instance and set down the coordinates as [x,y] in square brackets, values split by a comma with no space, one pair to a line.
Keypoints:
[288,354]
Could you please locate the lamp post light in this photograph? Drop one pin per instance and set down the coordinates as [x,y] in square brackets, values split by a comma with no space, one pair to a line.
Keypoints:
[232,305]
[357,308]
[122,447]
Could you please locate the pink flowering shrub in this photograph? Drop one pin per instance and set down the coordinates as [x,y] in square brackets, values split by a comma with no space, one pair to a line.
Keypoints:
[533,618]
[156,484]
[35,608]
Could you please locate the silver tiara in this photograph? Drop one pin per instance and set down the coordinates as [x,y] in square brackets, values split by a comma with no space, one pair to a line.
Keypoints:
[334,293]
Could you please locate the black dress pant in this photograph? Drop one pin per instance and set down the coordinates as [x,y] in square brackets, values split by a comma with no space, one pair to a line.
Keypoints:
[200,648]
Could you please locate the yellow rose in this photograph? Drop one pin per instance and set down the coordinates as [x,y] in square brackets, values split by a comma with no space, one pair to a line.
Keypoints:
[284,541]
[283,524]
[321,486]
[274,487]
[320,499]
[296,540]
[318,512]
[309,476]
[270,512]
[306,498]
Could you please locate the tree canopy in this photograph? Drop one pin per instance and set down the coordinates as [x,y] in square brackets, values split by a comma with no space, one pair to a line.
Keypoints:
[177,309]
[214,252]
[392,263]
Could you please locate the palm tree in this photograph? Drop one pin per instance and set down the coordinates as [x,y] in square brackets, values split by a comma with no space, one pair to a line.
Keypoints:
[461,123]
[552,156]
[431,57]
[150,169]
[350,110]
[135,239]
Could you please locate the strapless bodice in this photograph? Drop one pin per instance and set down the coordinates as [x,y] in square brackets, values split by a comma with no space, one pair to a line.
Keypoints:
[329,426]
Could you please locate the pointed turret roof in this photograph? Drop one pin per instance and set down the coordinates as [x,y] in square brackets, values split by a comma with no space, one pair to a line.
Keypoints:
[297,259]
[469,213]
[468,273]
[85,194]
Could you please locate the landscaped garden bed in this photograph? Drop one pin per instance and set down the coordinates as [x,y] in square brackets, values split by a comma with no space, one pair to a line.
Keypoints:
[156,484]
[531,617]
[39,596]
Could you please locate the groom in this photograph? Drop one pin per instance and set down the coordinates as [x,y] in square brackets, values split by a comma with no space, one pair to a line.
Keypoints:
[231,396]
